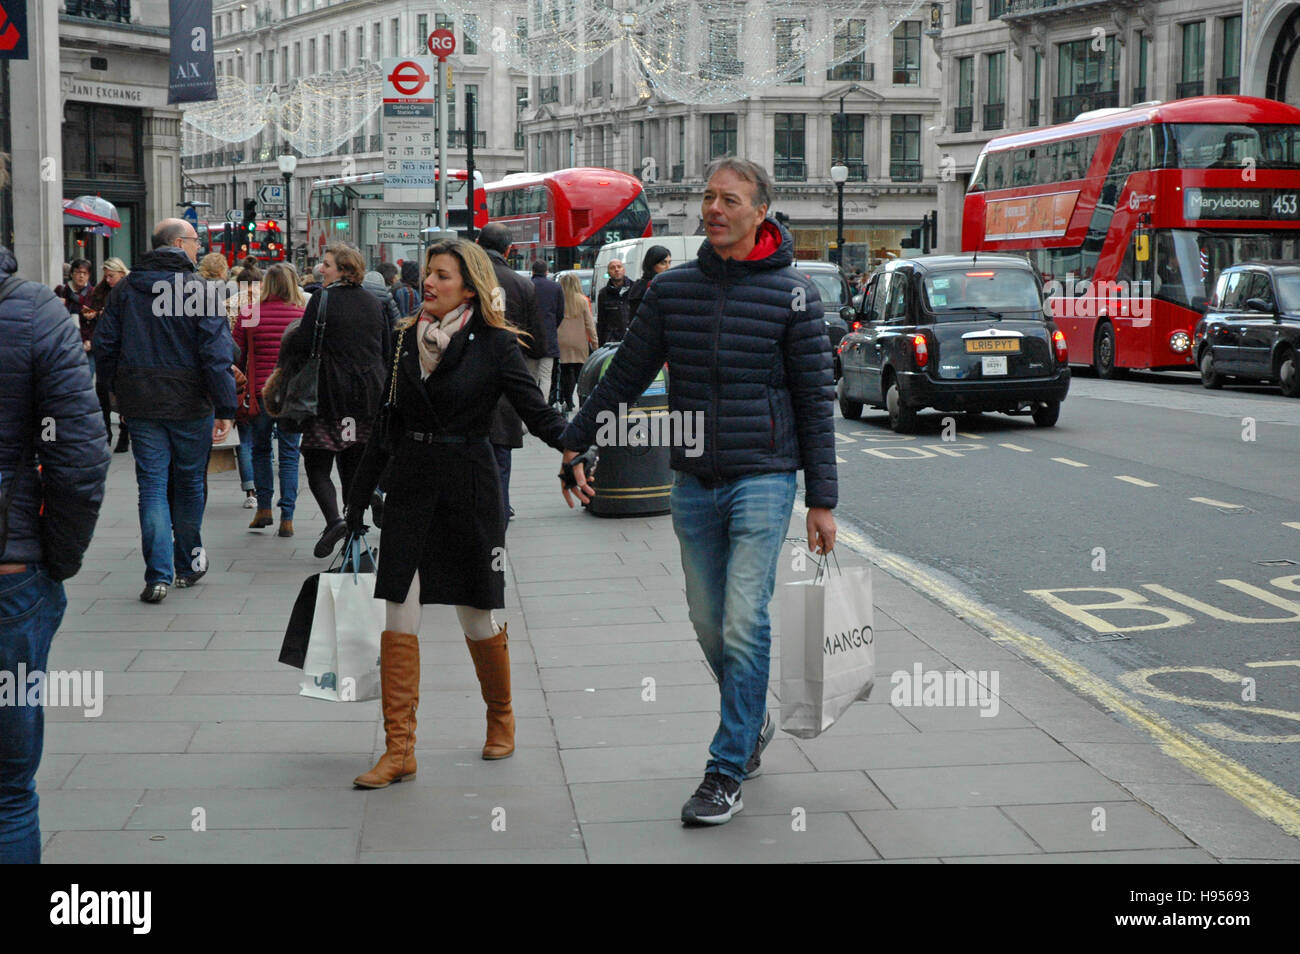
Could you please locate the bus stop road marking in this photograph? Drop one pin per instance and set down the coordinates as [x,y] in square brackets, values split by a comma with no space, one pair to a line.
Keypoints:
[1293,526]
[970,437]
[1016,447]
[1257,793]
[1213,503]
[1136,481]
[1067,462]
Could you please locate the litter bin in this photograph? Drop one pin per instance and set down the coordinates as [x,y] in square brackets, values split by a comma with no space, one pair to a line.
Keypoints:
[633,476]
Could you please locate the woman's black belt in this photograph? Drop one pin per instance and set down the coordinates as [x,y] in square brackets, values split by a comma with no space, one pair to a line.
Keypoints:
[420,438]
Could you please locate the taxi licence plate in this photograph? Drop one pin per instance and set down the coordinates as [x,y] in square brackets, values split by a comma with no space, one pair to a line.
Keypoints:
[993,365]
[991,345]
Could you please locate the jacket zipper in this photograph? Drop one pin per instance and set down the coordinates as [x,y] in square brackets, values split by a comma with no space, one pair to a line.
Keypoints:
[717,334]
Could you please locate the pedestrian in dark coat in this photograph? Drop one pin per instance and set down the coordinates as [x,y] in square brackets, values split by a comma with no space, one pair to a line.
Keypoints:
[114,271]
[657,259]
[163,346]
[375,284]
[355,347]
[407,292]
[444,530]
[47,516]
[612,315]
[550,312]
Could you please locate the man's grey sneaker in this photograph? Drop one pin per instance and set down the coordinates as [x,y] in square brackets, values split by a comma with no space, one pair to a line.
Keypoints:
[754,766]
[714,802]
[183,581]
[154,593]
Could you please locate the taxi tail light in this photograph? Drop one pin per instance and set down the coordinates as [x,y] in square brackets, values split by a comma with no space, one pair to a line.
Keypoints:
[856,326]
[1059,345]
[920,351]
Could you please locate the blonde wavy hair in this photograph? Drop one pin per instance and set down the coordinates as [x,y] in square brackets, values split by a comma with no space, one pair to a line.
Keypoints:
[476,274]
[115,265]
[576,304]
[281,281]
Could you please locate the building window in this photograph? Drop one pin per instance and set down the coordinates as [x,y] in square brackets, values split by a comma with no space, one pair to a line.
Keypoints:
[1087,78]
[257,69]
[722,135]
[848,143]
[469,34]
[850,38]
[397,36]
[1140,80]
[1036,90]
[343,50]
[521,40]
[996,9]
[788,52]
[789,154]
[995,90]
[100,142]
[724,44]
[962,16]
[361,45]
[521,104]
[297,59]
[1193,75]
[326,57]
[376,37]
[905,147]
[311,56]
[1230,81]
[907,53]
[963,114]
[422,25]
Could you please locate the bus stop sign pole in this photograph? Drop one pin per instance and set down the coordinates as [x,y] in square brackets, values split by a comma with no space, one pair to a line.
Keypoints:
[442,43]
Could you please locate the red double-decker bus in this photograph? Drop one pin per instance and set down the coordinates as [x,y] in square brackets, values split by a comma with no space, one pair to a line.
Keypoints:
[267,246]
[1130,215]
[565,217]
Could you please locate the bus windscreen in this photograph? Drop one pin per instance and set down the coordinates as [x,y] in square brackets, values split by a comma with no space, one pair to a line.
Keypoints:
[1231,146]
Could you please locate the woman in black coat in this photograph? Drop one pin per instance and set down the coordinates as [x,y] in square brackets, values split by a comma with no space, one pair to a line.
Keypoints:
[443,538]
[355,349]
[657,259]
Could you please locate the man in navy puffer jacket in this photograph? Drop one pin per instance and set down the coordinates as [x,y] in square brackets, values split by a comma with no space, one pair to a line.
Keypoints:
[750,360]
[163,345]
[49,416]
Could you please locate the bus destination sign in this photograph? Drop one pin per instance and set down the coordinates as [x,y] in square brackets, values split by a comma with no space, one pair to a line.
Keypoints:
[1241,204]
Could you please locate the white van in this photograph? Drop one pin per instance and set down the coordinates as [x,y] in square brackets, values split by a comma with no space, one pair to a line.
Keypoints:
[683,248]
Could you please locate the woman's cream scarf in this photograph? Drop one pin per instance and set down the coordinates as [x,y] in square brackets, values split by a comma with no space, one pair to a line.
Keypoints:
[435,335]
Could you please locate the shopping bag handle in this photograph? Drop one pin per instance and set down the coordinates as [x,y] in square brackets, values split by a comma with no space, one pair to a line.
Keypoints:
[350,555]
[823,563]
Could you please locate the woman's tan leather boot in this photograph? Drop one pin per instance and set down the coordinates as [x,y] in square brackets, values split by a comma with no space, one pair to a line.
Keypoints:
[399,676]
[492,664]
[260,519]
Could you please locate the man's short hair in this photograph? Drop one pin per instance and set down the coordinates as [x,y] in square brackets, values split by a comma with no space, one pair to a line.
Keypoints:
[539,269]
[168,232]
[77,263]
[749,171]
[494,237]
[388,270]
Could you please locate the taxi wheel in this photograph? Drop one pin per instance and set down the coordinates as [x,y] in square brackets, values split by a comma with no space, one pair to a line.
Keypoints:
[1289,376]
[1209,377]
[902,419]
[849,410]
[1103,353]
[1046,414]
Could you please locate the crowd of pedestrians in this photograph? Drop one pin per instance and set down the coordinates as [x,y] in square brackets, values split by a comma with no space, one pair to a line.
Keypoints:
[470,352]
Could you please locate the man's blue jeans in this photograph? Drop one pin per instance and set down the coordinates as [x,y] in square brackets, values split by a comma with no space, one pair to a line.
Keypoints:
[171,537]
[262,428]
[244,457]
[31,608]
[731,538]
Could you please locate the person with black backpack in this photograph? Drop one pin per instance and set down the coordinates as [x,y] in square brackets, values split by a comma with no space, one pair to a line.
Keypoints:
[48,511]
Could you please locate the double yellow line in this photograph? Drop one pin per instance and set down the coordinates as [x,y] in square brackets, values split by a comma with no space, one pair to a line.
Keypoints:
[1261,796]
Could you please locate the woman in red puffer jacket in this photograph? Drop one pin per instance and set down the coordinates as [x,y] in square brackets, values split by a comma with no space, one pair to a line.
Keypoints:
[258,339]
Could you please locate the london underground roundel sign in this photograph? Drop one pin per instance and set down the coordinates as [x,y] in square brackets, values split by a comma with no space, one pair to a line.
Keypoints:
[408,78]
[442,43]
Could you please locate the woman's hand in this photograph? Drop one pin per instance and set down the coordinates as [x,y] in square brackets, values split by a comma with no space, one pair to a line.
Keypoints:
[582,488]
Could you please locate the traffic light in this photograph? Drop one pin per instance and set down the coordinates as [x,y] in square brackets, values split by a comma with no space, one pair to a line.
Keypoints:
[913,238]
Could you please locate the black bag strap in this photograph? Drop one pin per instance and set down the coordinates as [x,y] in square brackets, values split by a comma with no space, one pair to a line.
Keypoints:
[10,285]
[318,335]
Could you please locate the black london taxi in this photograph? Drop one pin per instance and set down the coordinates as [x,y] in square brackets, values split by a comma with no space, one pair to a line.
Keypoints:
[1251,331]
[954,333]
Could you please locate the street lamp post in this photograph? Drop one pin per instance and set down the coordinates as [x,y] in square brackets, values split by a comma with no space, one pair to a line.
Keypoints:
[288,165]
[839,175]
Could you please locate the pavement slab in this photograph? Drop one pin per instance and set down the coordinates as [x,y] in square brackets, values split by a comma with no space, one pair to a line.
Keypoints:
[201,720]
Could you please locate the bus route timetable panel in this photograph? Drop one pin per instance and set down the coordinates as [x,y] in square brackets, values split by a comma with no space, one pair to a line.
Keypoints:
[410,152]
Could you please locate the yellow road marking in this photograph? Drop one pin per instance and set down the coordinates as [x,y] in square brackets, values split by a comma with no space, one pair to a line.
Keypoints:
[1261,796]
[1016,447]
[1068,462]
[1212,503]
[1136,481]
[1293,526]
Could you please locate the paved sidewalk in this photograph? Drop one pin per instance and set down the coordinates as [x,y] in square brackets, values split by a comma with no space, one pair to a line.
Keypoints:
[200,716]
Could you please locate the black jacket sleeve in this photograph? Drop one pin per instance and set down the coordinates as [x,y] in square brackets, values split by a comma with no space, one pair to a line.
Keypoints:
[638,359]
[531,322]
[525,396]
[810,377]
[71,444]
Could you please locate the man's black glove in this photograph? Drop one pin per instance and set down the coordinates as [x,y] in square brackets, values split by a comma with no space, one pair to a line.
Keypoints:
[588,461]
[354,517]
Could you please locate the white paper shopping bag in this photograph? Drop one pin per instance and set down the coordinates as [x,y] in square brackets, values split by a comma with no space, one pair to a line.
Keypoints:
[342,661]
[828,649]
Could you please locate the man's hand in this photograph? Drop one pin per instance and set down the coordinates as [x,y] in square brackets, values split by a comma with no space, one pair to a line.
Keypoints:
[220,429]
[584,492]
[85,346]
[821,530]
